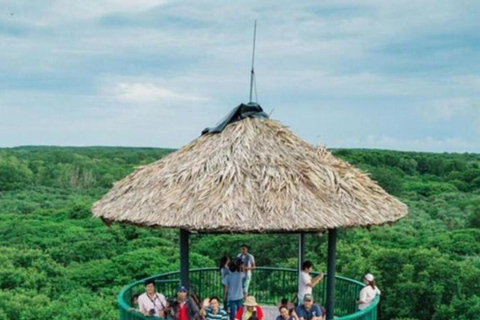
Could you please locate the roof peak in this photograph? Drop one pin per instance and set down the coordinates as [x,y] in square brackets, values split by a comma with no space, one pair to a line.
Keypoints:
[242,111]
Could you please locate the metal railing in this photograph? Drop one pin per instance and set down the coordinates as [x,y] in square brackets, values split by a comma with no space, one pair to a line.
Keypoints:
[269,286]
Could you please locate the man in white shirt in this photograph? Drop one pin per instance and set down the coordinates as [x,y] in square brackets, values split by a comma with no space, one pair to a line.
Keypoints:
[152,303]
[248,265]
[305,281]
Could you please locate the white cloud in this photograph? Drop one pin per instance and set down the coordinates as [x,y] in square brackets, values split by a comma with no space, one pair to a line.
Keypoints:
[139,62]
[135,92]
[450,109]
[43,14]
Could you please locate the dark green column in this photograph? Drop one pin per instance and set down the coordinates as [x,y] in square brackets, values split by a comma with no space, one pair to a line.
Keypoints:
[184,257]
[301,250]
[332,242]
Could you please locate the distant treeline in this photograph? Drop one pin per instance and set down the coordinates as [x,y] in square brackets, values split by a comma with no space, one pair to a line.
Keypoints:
[57,262]
[70,167]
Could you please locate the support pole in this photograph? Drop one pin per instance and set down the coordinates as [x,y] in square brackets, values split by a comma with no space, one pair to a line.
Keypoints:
[332,241]
[301,251]
[184,257]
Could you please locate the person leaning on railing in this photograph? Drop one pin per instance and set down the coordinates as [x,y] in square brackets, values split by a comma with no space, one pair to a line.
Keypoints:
[368,293]
[248,264]
[211,310]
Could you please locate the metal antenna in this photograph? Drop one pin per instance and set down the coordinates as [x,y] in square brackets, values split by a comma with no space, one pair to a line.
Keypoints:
[252,73]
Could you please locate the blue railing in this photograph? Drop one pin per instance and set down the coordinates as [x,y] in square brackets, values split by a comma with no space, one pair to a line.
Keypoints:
[269,286]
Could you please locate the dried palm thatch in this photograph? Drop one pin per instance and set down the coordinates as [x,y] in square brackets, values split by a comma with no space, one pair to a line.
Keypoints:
[255,176]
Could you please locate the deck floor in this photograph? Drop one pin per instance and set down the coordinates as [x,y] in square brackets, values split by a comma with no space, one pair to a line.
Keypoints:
[270,312]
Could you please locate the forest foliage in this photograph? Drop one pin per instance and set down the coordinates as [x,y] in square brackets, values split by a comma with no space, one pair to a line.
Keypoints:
[57,262]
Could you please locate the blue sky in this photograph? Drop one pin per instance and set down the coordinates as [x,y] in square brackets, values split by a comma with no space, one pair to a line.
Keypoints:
[402,75]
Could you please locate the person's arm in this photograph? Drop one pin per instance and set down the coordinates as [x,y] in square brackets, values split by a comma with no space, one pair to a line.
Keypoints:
[194,309]
[141,306]
[318,313]
[363,297]
[299,313]
[253,265]
[225,292]
[315,280]
[164,304]
[250,261]
[294,314]
[205,305]
[225,287]
[306,280]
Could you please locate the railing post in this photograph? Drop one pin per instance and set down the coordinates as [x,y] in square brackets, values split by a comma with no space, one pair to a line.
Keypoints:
[184,257]
[332,241]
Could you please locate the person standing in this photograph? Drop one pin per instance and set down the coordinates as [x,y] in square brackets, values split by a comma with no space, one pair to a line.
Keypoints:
[305,281]
[248,265]
[368,293]
[224,271]
[152,303]
[233,289]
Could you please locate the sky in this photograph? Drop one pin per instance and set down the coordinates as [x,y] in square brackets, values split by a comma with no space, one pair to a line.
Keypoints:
[400,75]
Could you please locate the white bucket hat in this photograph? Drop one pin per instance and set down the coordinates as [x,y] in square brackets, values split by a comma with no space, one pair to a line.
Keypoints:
[369,277]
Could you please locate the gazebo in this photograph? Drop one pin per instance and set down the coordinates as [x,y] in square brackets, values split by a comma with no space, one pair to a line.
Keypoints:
[251,168]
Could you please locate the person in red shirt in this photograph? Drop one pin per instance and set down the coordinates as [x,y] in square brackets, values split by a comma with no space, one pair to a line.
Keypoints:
[250,310]
[184,308]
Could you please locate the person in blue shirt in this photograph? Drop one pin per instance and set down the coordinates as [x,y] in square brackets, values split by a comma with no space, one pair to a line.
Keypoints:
[233,288]
[308,310]
[224,271]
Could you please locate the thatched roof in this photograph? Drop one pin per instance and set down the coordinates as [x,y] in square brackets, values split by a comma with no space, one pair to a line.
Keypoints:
[254,176]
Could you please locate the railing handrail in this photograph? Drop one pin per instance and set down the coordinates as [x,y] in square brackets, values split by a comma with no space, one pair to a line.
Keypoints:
[362,312]
[123,304]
